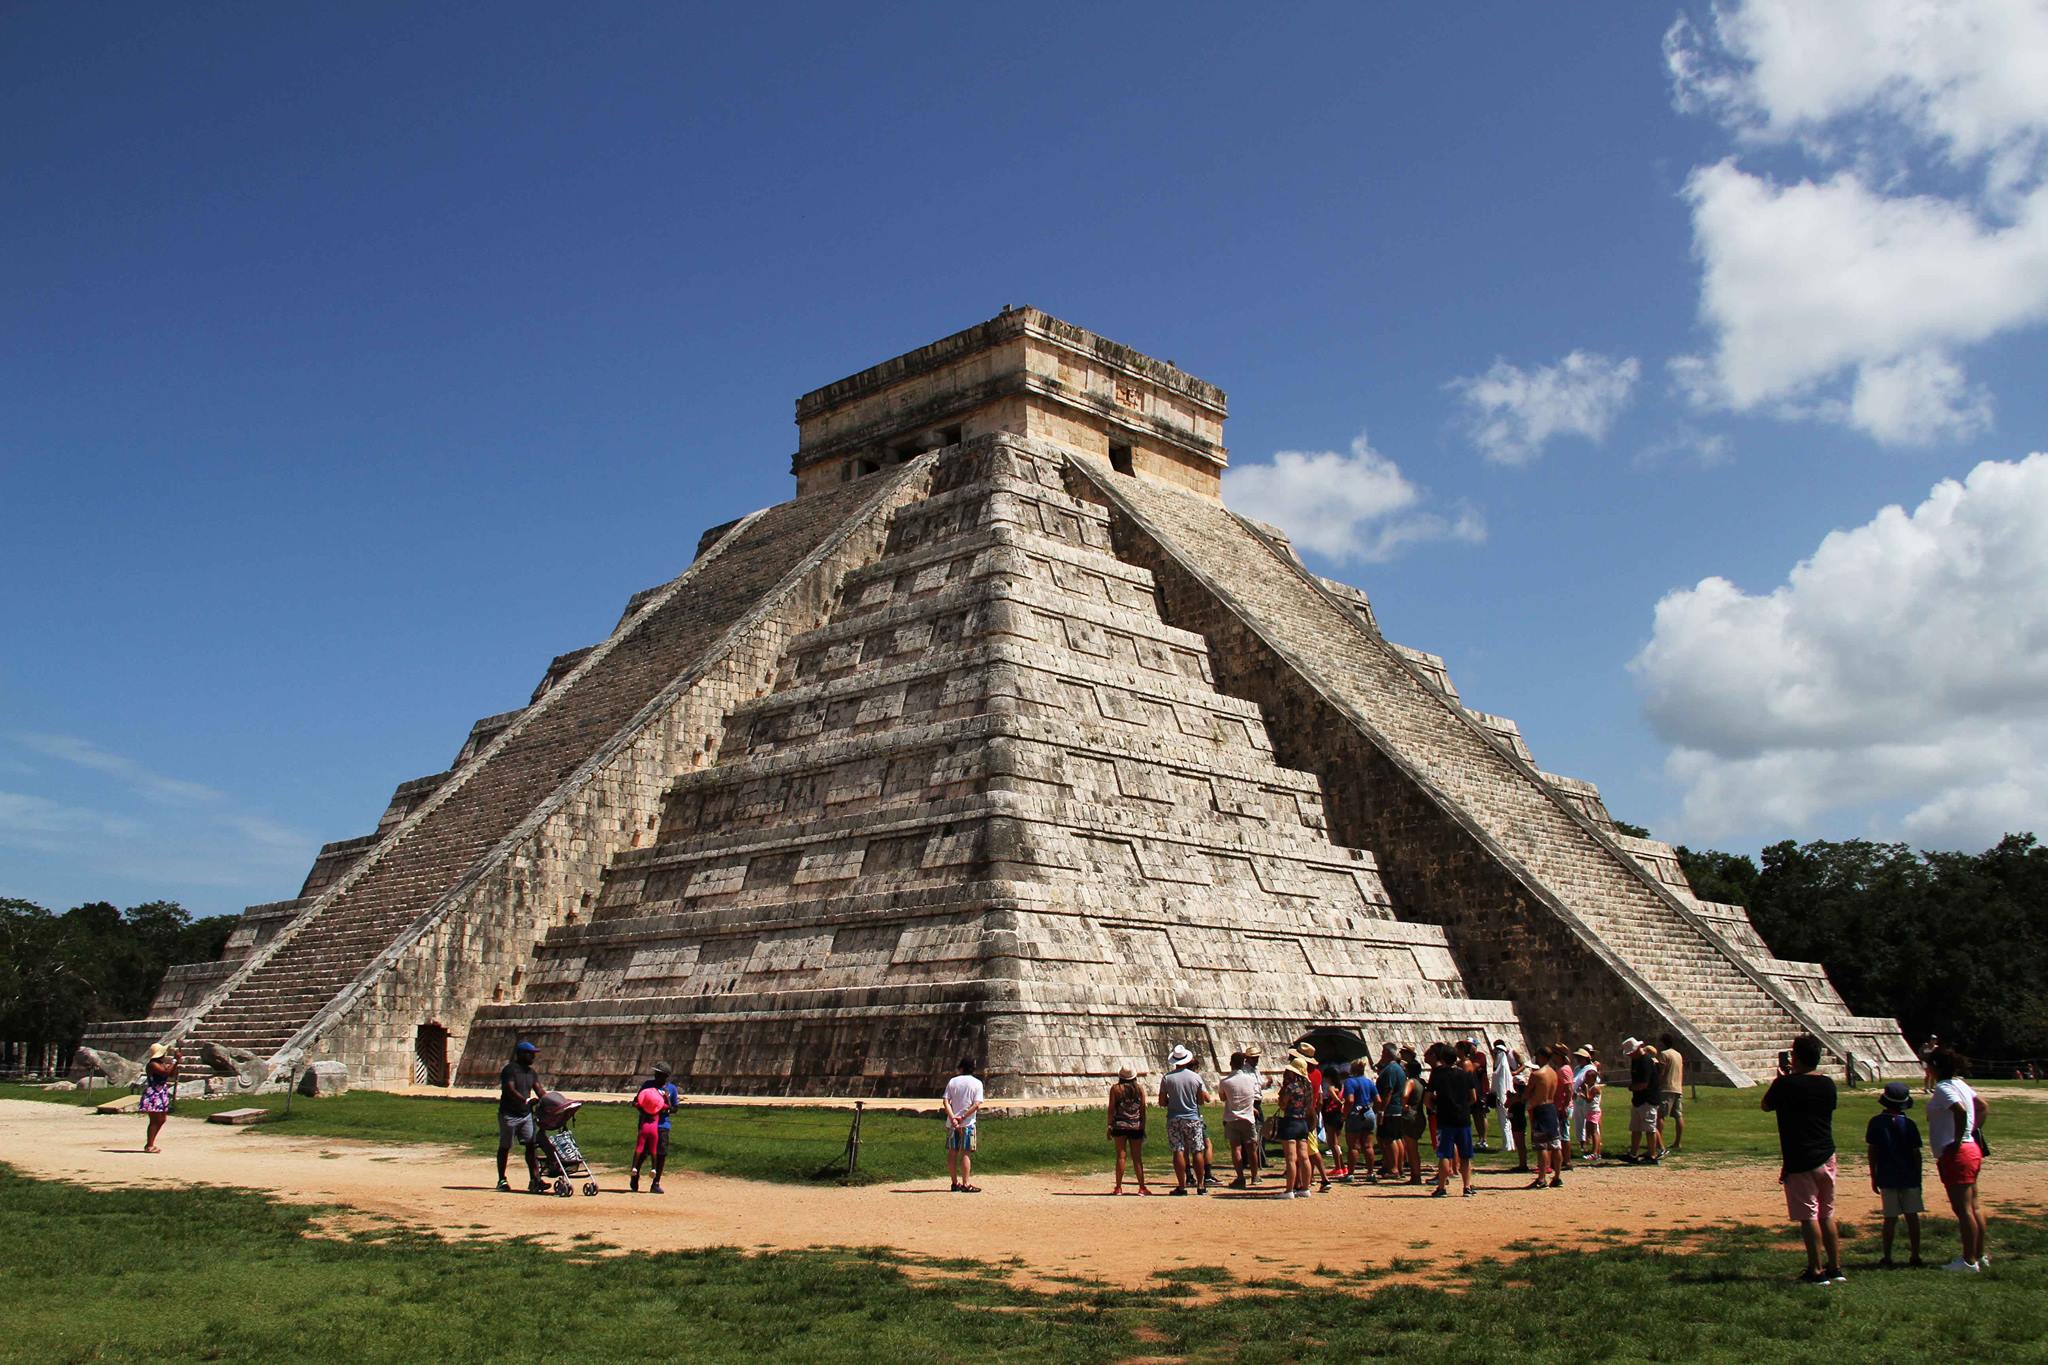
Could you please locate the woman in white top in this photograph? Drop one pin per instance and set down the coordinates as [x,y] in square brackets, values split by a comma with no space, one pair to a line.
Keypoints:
[1953,1113]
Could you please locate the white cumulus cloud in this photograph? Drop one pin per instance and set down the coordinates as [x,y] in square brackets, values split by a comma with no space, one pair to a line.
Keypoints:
[1899,675]
[1353,507]
[1849,294]
[1512,413]
[1963,76]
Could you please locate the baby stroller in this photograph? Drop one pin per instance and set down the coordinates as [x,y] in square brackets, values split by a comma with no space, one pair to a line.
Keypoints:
[561,1159]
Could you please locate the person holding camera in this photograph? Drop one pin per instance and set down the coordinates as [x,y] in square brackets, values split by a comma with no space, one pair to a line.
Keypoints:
[1804,1101]
[159,1088]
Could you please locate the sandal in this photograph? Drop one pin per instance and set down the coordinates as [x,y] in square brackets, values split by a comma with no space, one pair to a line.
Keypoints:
[970,1189]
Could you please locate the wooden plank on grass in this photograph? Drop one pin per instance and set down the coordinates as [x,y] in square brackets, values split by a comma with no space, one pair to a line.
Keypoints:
[124,1104]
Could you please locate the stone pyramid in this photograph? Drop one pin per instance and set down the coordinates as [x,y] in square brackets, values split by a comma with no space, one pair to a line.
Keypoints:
[1004,736]
[996,805]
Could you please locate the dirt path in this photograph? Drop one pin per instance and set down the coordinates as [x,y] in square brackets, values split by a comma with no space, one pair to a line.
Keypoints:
[1054,1226]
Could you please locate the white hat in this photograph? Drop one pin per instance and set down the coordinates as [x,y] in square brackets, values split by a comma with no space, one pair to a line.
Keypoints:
[1180,1056]
[1631,1044]
[1501,1043]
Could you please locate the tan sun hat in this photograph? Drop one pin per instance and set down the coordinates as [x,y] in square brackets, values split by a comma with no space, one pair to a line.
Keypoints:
[156,1050]
[1126,1074]
[1305,1050]
[1298,1065]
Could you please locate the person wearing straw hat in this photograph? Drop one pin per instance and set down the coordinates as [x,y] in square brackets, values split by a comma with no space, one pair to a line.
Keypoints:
[159,1086]
[1127,1127]
[1316,1136]
[1586,1103]
[1297,1114]
[1182,1095]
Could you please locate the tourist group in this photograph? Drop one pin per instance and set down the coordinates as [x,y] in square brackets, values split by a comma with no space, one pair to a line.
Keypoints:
[1362,1122]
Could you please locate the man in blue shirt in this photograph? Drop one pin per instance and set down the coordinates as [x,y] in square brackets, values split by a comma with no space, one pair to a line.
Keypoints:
[1361,1121]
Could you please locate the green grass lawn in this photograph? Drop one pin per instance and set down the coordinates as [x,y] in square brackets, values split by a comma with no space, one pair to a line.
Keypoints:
[225,1275]
[791,1144]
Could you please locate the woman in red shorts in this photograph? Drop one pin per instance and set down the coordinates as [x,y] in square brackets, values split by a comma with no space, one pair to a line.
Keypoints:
[1953,1114]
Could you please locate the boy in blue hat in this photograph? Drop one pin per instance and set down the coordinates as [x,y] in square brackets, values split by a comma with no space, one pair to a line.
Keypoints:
[1894,1142]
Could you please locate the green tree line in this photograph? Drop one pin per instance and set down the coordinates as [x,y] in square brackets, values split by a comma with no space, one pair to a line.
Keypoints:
[1954,944]
[61,973]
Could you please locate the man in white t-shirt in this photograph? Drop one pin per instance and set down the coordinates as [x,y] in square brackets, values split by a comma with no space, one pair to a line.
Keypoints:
[963,1101]
[1240,1091]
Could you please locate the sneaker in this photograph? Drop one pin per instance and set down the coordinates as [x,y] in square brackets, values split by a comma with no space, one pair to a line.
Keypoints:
[655,1188]
[1836,1276]
[1177,1189]
[1470,1193]
[633,1183]
[537,1187]
[1811,1277]
[1960,1264]
[1237,1184]
[1557,1182]
[1983,1262]
[1438,1193]
[1201,1189]
[504,1185]
[1536,1184]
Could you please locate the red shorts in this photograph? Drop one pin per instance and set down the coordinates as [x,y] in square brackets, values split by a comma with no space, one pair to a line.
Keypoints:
[1810,1195]
[1959,1164]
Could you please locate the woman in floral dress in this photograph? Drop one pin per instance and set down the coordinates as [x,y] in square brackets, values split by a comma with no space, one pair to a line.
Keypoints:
[159,1084]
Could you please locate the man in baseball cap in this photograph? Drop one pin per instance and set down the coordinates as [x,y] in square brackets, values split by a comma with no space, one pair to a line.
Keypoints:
[518,1088]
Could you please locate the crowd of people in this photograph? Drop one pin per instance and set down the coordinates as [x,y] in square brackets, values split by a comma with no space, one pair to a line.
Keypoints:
[1364,1122]
[1372,1122]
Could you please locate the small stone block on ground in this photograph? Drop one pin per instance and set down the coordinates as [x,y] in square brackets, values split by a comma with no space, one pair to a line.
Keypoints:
[239,1117]
[125,1104]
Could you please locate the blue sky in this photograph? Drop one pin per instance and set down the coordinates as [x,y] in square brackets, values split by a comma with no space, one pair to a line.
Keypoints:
[355,362]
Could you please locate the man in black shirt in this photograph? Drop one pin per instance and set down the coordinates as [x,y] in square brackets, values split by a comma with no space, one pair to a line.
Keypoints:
[1452,1092]
[518,1088]
[1804,1101]
[1645,1141]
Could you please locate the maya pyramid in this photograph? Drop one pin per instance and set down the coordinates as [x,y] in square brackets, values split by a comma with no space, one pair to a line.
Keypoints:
[1004,737]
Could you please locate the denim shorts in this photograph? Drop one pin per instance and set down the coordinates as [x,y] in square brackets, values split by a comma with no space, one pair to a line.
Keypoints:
[1452,1142]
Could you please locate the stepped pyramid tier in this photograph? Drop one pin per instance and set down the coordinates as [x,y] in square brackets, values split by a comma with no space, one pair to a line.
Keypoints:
[993,805]
[1543,901]
[1004,737]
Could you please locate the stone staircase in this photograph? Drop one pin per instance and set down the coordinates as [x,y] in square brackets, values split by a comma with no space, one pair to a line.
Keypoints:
[363,915]
[1302,651]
